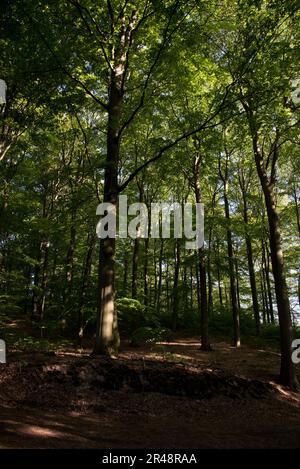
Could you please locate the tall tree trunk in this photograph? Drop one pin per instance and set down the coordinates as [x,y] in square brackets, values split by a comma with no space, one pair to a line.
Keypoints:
[202,289]
[159,283]
[135,261]
[297,210]
[125,276]
[236,266]
[198,283]
[255,306]
[251,271]
[167,287]
[84,285]
[155,289]
[44,279]
[219,275]
[205,345]
[265,285]
[185,288]
[232,275]
[209,274]
[175,287]
[287,370]
[146,275]
[107,334]
[263,296]
[191,289]
[269,289]
[35,288]
[135,257]
[70,260]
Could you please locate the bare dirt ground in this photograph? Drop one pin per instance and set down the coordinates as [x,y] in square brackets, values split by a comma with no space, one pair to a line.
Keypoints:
[38,408]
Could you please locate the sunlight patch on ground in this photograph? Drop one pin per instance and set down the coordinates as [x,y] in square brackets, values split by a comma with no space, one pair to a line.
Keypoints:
[294,396]
[277,354]
[185,344]
[34,430]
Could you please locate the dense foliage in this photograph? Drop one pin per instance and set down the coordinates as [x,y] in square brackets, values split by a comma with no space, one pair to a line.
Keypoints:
[175,101]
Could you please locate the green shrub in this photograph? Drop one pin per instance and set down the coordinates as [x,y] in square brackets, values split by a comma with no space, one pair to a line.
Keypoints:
[132,314]
[31,344]
[148,335]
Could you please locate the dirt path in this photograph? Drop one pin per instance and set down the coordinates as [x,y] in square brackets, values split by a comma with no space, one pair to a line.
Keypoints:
[172,423]
[127,419]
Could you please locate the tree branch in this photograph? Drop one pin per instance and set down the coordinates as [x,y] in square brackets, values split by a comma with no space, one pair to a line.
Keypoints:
[170,145]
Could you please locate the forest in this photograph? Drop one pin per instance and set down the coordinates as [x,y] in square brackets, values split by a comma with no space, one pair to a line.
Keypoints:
[176,102]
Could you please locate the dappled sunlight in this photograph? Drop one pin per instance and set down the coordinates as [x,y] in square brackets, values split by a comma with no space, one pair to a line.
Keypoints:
[245,361]
[180,343]
[41,431]
[277,354]
[286,393]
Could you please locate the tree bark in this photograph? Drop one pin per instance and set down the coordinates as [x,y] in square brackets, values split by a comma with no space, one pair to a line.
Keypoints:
[84,285]
[287,370]
[233,286]
[202,288]
[107,334]
[159,283]
[175,287]
[255,305]
[135,262]
[146,275]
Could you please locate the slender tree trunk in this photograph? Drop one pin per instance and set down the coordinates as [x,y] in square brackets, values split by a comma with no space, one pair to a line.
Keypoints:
[155,289]
[185,288]
[287,370]
[219,276]
[175,287]
[232,275]
[205,345]
[236,266]
[191,289]
[146,275]
[263,297]
[84,284]
[70,260]
[251,271]
[44,279]
[107,335]
[167,287]
[198,284]
[233,288]
[209,274]
[159,283]
[135,261]
[135,257]
[299,289]
[297,210]
[269,289]
[265,287]
[36,281]
[125,276]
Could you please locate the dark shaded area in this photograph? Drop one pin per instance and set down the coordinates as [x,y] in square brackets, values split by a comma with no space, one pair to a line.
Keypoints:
[58,382]
[140,420]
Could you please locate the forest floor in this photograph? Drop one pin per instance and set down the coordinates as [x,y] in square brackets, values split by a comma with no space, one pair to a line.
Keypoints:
[165,395]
